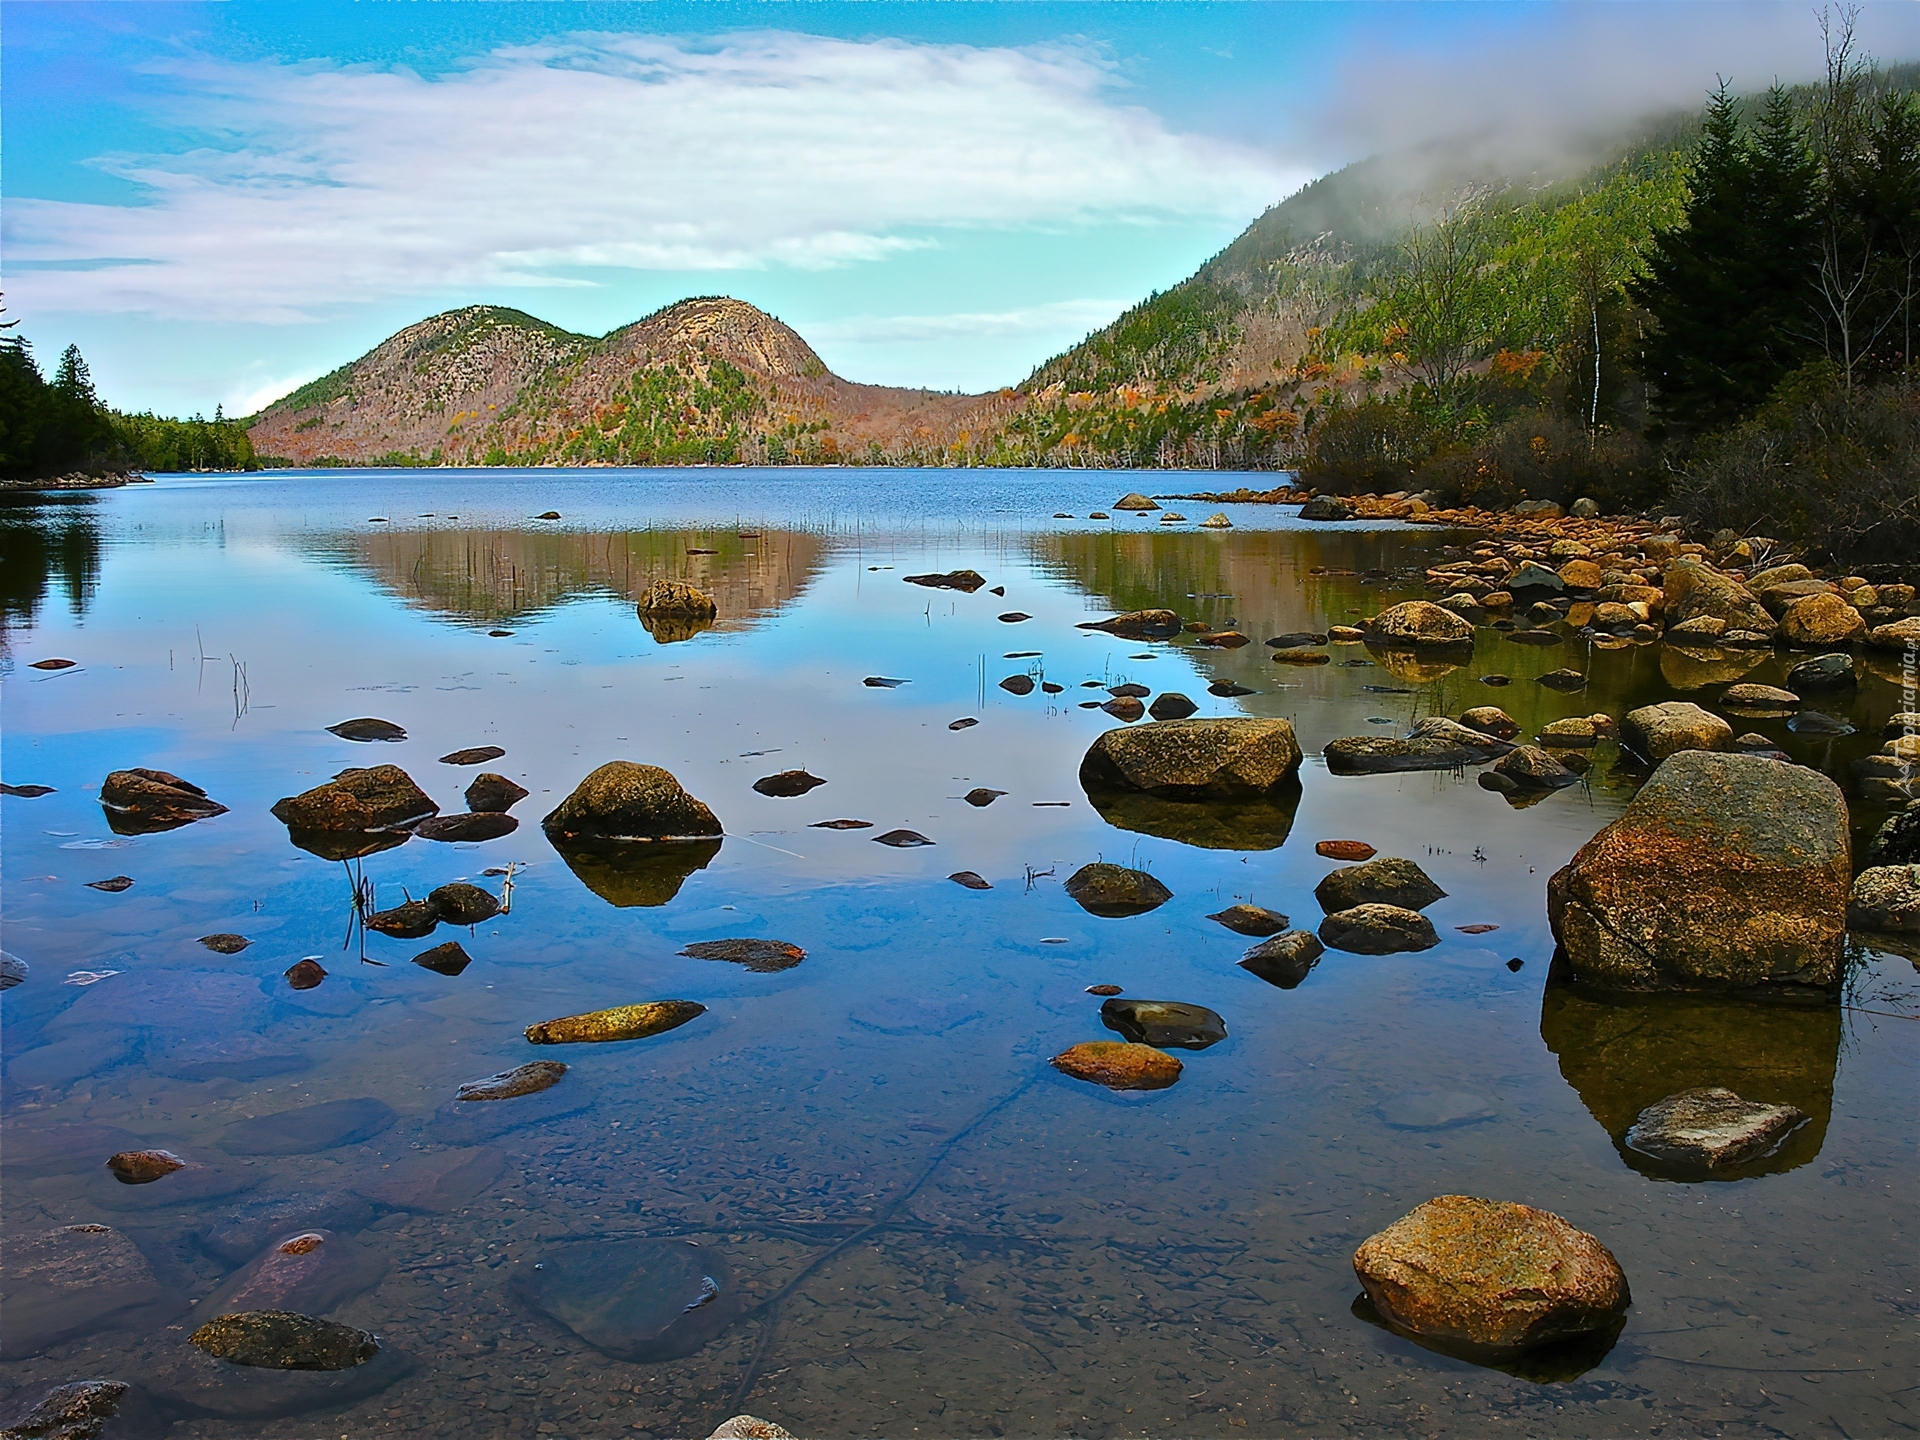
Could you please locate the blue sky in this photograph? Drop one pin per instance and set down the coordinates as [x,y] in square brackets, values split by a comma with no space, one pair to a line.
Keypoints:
[219,202]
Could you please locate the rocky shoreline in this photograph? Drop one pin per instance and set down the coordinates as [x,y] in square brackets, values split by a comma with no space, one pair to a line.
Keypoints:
[77,480]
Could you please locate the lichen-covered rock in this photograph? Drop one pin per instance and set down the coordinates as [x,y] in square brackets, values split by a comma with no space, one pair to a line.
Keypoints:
[72,1280]
[1491,1276]
[1378,930]
[1138,625]
[675,599]
[763,957]
[145,802]
[1285,960]
[1897,842]
[285,1340]
[1748,696]
[1726,872]
[1419,622]
[1532,768]
[1886,898]
[622,1022]
[1193,759]
[76,1410]
[1815,622]
[1693,588]
[1114,891]
[143,1167]
[493,794]
[1250,920]
[1490,720]
[624,801]
[1119,1065]
[1436,743]
[1386,881]
[750,1427]
[378,797]
[1656,731]
[1898,635]
[528,1079]
[1711,1129]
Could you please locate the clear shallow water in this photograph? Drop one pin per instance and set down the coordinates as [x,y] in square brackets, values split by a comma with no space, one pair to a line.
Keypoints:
[994,1249]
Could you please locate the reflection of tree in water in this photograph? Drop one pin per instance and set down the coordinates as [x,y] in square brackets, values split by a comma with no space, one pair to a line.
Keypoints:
[500,576]
[39,545]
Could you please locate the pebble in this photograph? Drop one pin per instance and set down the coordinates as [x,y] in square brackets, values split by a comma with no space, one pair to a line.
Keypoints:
[966,722]
[26,792]
[1345,850]
[1103,990]
[469,827]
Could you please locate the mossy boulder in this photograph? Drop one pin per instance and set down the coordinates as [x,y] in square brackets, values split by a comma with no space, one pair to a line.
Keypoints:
[377,797]
[624,801]
[1727,872]
[1194,759]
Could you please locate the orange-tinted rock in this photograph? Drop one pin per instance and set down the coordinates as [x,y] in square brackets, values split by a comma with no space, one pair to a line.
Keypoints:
[1119,1065]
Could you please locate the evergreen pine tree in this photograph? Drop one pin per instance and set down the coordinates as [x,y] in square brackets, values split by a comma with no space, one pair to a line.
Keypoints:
[1698,287]
[1782,254]
[73,379]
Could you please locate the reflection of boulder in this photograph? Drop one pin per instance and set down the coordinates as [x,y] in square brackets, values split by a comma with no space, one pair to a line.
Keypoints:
[1690,667]
[1257,823]
[347,844]
[666,629]
[638,873]
[1623,1055]
[1420,667]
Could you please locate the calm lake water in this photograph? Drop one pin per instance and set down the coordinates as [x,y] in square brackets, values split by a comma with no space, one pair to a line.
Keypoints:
[918,1227]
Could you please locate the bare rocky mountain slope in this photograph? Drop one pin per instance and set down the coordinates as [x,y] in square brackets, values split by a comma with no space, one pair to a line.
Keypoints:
[706,380]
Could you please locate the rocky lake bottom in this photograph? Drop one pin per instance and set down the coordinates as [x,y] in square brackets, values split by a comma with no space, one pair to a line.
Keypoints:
[848,1193]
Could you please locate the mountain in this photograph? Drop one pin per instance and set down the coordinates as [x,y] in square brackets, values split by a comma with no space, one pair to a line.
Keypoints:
[708,380]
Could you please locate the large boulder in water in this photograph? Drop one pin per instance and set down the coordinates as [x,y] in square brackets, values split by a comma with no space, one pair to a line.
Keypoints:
[1727,872]
[1114,891]
[673,610]
[1436,743]
[1819,622]
[1385,881]
[1194,759]
[1491,1278]
[1694,589]
[625,801]
[1418,622]
[1138,625]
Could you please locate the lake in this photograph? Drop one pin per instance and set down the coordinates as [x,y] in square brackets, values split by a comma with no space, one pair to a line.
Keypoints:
[852,1190]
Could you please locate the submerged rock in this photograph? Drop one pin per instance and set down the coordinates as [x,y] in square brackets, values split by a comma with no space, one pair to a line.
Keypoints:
[1711,1129]
[75,1410]
[380,797]
[1114,891]
[642,1301]
[309,1129]
[622,1022]
[1490,1276]
[146,802]
[1656,731]
[763,957]
[143,1167]
[1725,872]
[1434,1110]
[1246,919]
[1378,930]
[1285,960]
[1194,759]
[75,1280]
[367,728]
[309,1271]
[238,1233]
[285,1340]
[1138,625]
[493,794]
[623,801]
[787,784]
[528,1079]
[13,970]
[1119,1065]
[225,944]
[1386,881]
[1164,1022]
[470,827]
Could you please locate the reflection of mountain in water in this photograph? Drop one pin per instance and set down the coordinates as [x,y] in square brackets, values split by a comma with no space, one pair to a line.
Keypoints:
[39,544]
[1622,1055]
[495,576]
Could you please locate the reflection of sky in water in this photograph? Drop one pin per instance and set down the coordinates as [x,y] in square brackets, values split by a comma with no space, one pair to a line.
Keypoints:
[820,1091]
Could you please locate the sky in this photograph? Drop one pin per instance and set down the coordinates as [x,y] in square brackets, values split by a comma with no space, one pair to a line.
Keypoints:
[219,202]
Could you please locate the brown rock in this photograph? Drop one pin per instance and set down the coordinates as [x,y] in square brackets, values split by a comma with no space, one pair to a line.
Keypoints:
[476,755]
[1114,891]
[675,599]
[1119,1065]
[1818,622]
[1490,720]
[763,957]
[1419,622]
[1344,849]
[1250,920]
[1727,872]
[143,1167]
[1656,731]
[1192,759]
[467,827]
[622,1022]
[376,798]
[225,944]
[490,793]
[1491,1277]
[624,801]
[528,1079]
[1378,930]
[143,802]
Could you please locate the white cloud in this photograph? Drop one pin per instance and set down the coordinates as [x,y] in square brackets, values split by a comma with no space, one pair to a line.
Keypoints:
[537,163]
